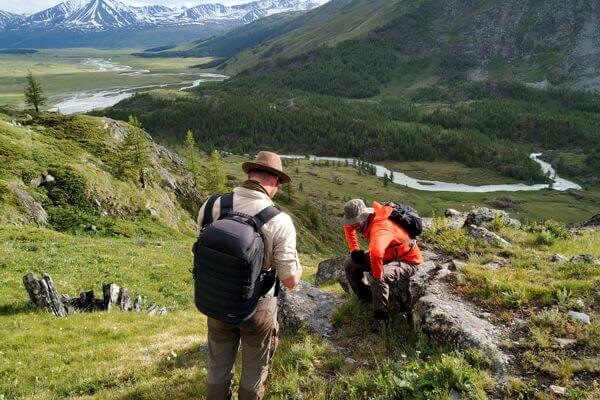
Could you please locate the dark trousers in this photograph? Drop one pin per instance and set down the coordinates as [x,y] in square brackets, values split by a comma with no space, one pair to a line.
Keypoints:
[258,337]
[379,290]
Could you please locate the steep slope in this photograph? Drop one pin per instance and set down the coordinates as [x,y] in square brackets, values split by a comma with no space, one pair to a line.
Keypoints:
[332,22]
[70,174]
[547,43]
[231,42]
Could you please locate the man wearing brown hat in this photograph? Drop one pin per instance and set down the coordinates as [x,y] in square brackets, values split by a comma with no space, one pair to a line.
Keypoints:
[258,335]
[392,256]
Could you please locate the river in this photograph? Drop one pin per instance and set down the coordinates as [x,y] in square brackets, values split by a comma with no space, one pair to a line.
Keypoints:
[81,102]
[401,178]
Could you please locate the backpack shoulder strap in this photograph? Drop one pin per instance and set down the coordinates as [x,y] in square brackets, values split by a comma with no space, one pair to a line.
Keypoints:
[265,215]
[226,204]
[207,219]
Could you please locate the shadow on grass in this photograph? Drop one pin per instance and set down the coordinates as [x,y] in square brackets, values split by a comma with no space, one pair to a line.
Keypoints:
[177,377]
[16,308]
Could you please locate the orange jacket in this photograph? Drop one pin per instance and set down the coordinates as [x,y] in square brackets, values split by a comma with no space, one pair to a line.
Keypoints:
[383,236]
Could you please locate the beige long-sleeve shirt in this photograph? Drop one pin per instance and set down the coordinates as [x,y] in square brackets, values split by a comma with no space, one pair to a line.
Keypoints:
[279,233]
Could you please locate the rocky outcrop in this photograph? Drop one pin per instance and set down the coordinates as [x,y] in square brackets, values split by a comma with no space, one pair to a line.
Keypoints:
[457,218]
[436,311]
[487,236]
[592,224]
[43,294]
[309,306]
[446,318]
[34,210]
[585,259]
[481,216]
[332,270]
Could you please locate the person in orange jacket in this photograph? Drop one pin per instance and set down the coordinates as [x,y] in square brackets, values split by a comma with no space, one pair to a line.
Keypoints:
[393,255]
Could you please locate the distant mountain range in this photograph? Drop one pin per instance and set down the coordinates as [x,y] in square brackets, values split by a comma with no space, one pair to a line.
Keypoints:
[76,17]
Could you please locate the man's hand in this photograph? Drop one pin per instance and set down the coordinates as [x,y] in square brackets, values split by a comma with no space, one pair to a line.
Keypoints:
[358,256]
[291,282]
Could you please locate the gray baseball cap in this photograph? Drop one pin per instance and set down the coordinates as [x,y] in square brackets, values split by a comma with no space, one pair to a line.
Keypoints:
[355,211]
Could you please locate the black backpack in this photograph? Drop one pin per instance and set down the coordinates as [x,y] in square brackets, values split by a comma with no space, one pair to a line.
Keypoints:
[228,262]
[407,217]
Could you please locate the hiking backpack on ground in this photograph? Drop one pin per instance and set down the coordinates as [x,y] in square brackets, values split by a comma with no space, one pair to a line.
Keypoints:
[407,217]
[228,262]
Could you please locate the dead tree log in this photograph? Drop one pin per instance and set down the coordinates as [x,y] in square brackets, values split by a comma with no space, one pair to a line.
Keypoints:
[111,295]
[42,293]
[124,300]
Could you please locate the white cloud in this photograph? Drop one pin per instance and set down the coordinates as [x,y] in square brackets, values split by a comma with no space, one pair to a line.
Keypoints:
[32,6]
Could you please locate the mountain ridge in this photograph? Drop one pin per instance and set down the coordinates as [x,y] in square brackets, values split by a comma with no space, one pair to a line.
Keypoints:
[97,15]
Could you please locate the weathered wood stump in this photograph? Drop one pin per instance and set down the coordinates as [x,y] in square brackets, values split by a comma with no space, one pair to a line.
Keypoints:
[137,303]
[124,300]
[111,295]
[43,293]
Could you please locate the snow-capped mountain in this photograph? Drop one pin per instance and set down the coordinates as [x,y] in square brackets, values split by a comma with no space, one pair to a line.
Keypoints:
[100,15]
[7,18]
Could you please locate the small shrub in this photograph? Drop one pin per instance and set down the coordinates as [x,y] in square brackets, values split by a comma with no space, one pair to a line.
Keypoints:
[544,238]
[68,189]
[518,389]
[563,295]
[450,240]
[548,318]
[547,232]
[513,297]
[497,224]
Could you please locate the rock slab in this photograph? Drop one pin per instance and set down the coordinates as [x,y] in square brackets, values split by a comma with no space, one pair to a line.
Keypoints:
[332,270]
[309,306]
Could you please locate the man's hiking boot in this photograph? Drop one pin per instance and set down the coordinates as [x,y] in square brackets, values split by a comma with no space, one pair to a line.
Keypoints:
[378,325]
[380,321]
[365,296]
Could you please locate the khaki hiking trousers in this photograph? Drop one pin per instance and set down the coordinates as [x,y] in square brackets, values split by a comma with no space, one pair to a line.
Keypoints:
[258,337]
[378,290]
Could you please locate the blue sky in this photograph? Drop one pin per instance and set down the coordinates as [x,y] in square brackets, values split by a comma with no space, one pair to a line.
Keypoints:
[31,6]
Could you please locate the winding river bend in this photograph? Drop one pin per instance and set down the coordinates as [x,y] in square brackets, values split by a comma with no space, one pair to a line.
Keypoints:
[400,178]
[81,102]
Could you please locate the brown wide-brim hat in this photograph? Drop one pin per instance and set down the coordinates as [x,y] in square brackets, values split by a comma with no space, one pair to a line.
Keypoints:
[267,161]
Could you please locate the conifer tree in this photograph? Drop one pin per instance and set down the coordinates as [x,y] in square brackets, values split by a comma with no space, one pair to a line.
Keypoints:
[135,152]
[288,189]
[214,178]
[192,163]
[34,95]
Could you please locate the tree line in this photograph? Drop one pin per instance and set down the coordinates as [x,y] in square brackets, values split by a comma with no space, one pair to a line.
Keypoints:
[243,120]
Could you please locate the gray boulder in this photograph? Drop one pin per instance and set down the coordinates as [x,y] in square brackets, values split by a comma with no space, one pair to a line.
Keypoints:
[332,270]
[482,233]
[309,306]
[457,218]
[35,211]
[580,317]
[585,258]
[446,318]
[592,224]
[481,216]
[559,258]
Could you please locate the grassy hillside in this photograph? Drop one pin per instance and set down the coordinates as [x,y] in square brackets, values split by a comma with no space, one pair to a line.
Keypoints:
[232,42]
[479,40]
[141,238]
